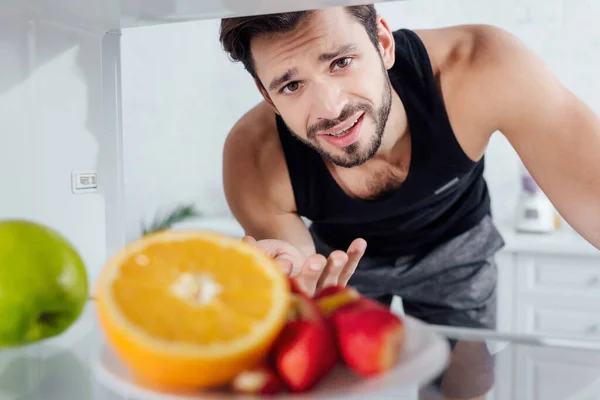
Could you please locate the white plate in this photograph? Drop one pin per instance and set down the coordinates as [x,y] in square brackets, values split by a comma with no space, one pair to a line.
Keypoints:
[424,356]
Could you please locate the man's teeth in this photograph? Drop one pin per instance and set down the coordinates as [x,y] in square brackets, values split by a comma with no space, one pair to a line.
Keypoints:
[343,132]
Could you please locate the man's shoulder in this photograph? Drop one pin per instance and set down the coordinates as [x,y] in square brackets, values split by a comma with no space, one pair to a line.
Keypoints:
[253,154]
[470,64]
[464,49]
[254,139]
[255,127]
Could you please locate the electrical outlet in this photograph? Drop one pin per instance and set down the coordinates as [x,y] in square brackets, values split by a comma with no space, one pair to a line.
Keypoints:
[84,181]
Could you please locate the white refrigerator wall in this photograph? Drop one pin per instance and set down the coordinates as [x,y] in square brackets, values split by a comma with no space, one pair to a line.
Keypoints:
[181,95]
[59,114]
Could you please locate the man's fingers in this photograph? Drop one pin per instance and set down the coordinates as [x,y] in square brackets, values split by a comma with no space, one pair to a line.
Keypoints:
[249,240]
[284,265]
[311,272]
[269,246]
[286,255]
[355,252]
[335,265]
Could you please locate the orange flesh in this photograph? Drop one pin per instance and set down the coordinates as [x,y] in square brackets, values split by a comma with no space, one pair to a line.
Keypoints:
[144,293]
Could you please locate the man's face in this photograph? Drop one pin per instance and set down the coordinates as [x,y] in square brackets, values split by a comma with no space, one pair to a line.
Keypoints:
[329,84]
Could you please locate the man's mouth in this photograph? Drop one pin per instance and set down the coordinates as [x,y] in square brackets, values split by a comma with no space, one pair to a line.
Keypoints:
[345,135]
[344,127]
[343,131]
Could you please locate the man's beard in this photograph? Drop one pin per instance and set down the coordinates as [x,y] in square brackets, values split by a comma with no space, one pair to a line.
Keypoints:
[355,155]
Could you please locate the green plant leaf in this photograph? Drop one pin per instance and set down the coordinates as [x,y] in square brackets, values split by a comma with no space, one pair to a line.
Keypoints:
[178,214]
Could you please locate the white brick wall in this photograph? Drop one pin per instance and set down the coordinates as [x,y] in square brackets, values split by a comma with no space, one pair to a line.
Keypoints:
[180,100]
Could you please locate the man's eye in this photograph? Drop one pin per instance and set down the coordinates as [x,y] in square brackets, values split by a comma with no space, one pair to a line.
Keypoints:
[291,87]
[342,62]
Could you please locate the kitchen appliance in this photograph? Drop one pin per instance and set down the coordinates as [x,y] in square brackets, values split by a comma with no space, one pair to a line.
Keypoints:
[535,213]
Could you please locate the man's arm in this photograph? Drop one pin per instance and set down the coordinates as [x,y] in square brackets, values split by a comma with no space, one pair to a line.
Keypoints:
[259,193]
[555,134]
[256,186]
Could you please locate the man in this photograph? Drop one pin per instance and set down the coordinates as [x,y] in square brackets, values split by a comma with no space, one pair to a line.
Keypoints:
[378,137]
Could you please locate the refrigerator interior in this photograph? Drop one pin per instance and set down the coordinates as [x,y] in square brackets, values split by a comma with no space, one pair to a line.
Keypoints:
[61,145]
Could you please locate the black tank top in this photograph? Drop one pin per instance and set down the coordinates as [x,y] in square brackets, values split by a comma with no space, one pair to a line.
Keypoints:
[443,195]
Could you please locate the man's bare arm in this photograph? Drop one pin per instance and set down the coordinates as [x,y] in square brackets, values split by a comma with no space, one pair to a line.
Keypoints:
[256,187]
[555,134]
[260,196]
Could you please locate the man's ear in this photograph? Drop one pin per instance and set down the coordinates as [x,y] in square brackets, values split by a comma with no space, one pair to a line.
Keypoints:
[387,43]
[265,95]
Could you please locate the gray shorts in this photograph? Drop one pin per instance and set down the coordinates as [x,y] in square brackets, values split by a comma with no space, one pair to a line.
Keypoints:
[453,285]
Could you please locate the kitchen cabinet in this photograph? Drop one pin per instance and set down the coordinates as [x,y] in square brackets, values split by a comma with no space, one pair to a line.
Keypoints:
[548,285]
[539,373]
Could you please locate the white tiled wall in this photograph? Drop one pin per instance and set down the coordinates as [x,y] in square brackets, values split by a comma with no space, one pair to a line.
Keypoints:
[181,95]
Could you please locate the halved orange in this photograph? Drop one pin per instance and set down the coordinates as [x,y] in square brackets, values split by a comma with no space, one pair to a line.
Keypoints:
[191,309]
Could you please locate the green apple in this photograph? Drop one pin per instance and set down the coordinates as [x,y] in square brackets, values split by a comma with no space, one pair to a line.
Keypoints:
[43,283]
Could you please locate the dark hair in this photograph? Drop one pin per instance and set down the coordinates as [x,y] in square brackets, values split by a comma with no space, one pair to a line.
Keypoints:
[237,33]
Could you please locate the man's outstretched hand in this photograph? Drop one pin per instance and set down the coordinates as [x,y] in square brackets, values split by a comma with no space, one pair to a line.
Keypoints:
[315,271]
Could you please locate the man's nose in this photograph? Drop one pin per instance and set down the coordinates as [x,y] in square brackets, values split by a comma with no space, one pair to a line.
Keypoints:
[328,100]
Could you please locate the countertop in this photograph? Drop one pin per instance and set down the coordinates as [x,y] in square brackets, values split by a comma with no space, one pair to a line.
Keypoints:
[565,241]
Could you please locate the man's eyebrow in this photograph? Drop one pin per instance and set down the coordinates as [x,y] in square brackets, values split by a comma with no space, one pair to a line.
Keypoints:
[277,81]
[345,48]
[324,57]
